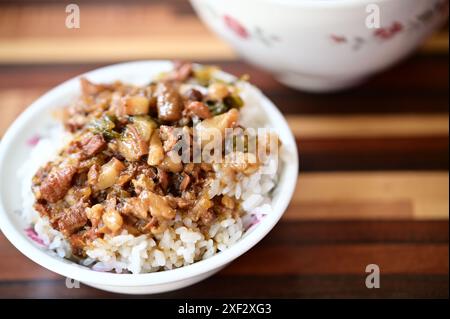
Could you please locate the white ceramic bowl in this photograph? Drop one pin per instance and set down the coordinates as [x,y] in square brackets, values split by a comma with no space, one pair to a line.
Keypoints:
[322,45]
[14,150]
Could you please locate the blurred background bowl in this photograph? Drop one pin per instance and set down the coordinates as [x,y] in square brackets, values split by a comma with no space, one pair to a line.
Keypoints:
[322,45]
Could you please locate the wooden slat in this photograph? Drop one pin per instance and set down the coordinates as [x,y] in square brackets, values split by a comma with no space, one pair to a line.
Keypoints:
[251,286]
[373,195]
[370,125]
[342,259]
[351,209]
[39,50]
[382,153]
[437,43]
[375,231]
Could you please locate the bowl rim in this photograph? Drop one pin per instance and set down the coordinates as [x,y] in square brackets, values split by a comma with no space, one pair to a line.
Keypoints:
[75,271]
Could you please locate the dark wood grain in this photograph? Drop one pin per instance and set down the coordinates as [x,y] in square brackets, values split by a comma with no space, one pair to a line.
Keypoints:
[223,286]
[359,232]
[423,153]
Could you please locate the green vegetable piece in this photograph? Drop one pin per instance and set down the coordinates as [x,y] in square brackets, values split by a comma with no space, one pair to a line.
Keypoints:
[234,101]
[104,126]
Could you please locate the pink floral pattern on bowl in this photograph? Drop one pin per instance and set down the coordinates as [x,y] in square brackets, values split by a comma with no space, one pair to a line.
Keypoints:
[236,26]
[390,31]
[33,140]
[244,33]
[31,233]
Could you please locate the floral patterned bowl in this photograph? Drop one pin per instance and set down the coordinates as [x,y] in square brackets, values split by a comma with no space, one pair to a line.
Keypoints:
[323,45]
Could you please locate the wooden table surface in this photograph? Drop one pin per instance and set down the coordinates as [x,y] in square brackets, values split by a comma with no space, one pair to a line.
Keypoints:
[373,184]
